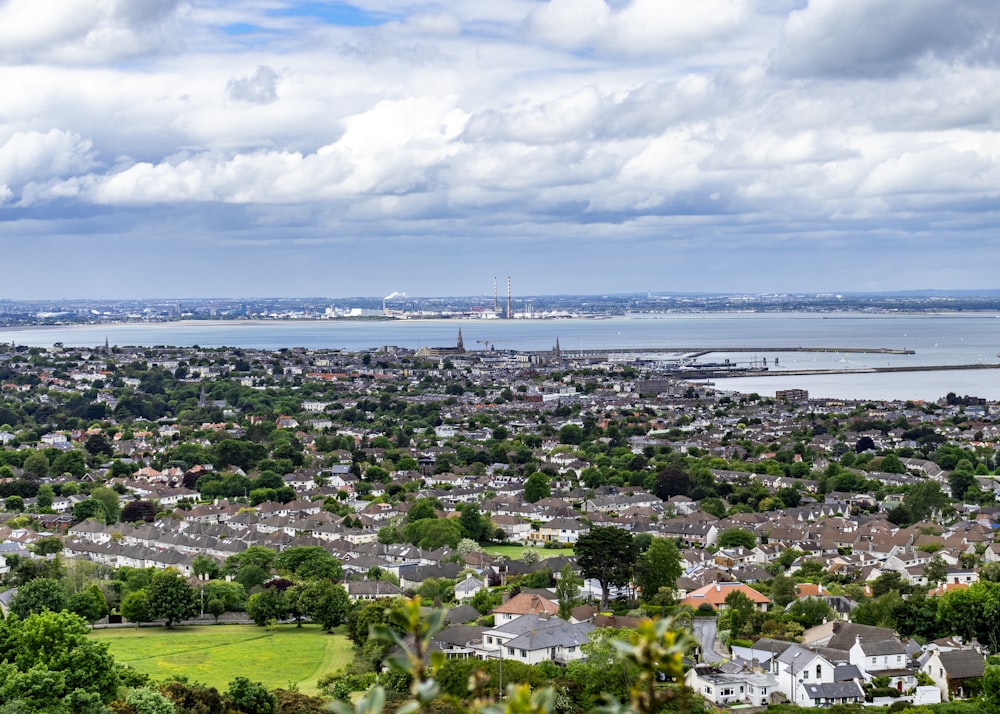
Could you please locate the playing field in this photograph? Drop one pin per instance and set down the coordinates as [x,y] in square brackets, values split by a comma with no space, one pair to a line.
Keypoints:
[214,655]
[514,551]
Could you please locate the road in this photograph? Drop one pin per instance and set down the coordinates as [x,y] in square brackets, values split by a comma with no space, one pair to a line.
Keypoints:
[705,631]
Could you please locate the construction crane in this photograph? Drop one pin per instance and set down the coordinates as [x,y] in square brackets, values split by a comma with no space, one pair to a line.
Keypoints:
[486,344]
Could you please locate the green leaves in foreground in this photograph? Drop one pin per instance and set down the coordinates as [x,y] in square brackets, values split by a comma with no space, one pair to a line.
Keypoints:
[657,649]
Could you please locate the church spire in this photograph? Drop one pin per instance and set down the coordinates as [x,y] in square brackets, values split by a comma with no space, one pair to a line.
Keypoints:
[461,344]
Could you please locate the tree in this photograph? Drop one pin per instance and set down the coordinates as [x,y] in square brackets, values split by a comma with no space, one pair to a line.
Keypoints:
[15,504]
[923,499]
[231,593]
[739,609]
[783,589]
[256,555]
[811,611]
[421,509]
[735,537]
[46,495]
[269,605]
[476,527]
[39,595]
[936,570]
[108,497]
[325,603]
[204,567]
[571,434]
[672,481]
[135,511]
[91,509]
[90,604]
[892,464]
[135,607]
[98,444]
[960,482]
[434,533]
[308,562]
[989,685]
[607,555]
[69,462]
[250,697]
[36,465]
[567,591]
[49,545]
[658,568]
[50,663]
[215,607]
[149,701]
[171,598]
[537,487]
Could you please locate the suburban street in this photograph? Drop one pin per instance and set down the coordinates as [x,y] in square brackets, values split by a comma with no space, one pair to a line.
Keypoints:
[705,631]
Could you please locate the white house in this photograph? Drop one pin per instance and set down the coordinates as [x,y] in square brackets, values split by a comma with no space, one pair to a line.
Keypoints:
[796,667]
[532,639]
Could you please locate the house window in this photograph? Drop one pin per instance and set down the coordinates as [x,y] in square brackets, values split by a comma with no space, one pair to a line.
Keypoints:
[510,651]
[819,673]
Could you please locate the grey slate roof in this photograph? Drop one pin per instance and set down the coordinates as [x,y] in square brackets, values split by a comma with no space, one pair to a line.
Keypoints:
[845,672]
[883,647]
[962,664]
[834,690]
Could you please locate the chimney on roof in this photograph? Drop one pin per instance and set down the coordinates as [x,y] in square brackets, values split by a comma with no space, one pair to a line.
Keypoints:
[718,587]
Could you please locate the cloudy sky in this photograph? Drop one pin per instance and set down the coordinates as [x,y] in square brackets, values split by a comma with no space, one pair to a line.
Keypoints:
[271,147]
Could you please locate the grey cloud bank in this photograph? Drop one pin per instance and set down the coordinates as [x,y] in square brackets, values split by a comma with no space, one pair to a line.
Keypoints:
[578,145]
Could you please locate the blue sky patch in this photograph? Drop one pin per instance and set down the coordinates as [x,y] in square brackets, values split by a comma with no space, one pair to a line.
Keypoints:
[242,28]
[333,13]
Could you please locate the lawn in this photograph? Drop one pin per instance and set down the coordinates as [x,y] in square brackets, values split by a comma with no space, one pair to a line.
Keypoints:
[514,551]
[214,655]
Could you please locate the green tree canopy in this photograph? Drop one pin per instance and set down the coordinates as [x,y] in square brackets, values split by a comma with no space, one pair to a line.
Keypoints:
[606,554]
[658,568]
[735,537]
[537,487]
[37,596]
[308,562]
[171,598]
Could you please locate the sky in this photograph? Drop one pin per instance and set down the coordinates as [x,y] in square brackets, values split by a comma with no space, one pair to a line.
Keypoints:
[167,148]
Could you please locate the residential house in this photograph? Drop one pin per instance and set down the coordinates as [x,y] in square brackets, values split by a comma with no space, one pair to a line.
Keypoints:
[715,594]
[533,639]
[953,670]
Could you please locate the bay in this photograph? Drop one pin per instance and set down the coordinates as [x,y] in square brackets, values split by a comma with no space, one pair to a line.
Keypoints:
[937,339]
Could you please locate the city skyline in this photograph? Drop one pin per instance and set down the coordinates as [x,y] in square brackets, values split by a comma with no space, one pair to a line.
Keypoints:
[583,146]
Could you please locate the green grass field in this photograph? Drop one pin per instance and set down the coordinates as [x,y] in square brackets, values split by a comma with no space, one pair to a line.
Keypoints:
[514,551]
[214,655]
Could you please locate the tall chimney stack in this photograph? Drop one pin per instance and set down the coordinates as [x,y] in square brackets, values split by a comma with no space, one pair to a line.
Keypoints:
[509,313]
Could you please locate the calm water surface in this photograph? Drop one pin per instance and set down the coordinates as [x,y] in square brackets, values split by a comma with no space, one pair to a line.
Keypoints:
[963,338]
